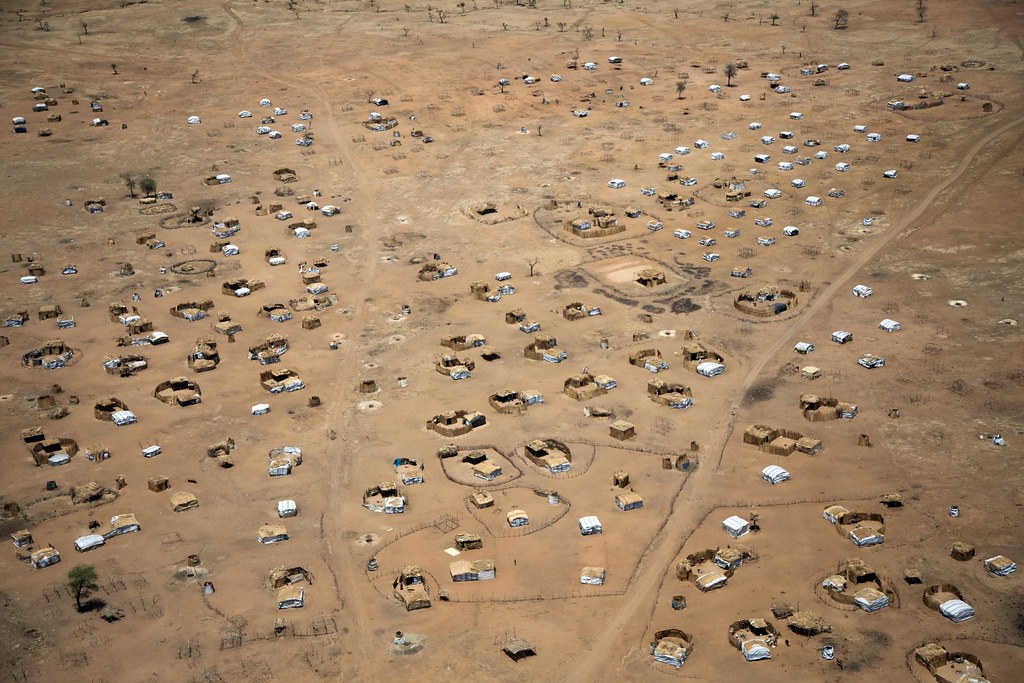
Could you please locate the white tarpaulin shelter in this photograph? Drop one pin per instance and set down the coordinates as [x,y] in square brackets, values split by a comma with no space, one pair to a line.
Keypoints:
[1000,565]
[956,610]
[710,369]
[870,599]
[864,536]
[88,542]
[755,650]
[735,526]
[590,525]
[671,653]
[123,417]
[291,597]
[773,474]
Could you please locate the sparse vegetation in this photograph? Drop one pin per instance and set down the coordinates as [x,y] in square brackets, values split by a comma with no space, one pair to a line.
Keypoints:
[841,19]
[148,185]
[730,73]
[130,183]
[82,582]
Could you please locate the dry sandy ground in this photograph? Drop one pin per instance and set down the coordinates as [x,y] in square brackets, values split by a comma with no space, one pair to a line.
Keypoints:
[943,231]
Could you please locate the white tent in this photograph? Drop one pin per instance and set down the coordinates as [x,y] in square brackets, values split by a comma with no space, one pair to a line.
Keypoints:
[735,526]
[260,409]
[590,525]
[773,474]
[193,120]
[863,291]
[755,649]
[956,610]
[593,576]
[710,369]
[889,325]
[287,508]
[58,459]
[712,580]
[88,542]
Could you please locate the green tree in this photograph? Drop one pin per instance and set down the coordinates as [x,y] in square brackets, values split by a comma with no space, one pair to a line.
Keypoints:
[82,582]
[148,185]
[730,73]
[129,181]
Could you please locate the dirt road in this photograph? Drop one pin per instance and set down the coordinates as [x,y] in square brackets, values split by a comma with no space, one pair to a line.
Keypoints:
[616,636]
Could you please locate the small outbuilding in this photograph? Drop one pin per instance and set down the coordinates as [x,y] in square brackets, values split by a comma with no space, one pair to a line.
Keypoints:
[183,500]
[629,501]
[272,533]
[291,597]
[590,525]
[735,526]
[44,557]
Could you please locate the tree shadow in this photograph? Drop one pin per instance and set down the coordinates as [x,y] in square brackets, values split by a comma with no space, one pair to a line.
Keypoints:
[93,605]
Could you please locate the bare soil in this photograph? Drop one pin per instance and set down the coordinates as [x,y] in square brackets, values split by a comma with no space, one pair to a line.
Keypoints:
[942,253]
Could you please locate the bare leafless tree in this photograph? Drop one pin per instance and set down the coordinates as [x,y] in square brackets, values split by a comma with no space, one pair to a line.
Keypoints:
[841,19]
[532,262]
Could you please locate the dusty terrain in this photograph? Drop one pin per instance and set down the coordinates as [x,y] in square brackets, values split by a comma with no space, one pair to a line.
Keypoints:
[942,252]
